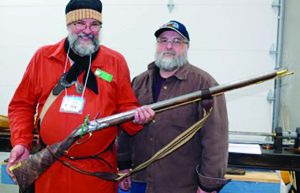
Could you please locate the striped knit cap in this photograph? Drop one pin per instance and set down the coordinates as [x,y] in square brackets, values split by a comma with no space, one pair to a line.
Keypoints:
[83,9]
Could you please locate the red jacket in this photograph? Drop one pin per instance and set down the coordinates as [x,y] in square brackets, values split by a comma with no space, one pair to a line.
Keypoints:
[42,74]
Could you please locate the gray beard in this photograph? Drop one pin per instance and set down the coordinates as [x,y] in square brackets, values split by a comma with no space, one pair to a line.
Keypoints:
[83,50]
[170,64]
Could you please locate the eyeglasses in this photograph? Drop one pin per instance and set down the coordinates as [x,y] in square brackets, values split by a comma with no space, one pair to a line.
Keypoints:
[94,27]
[173,42]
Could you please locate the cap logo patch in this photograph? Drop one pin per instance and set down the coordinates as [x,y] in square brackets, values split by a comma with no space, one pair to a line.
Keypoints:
[171,24]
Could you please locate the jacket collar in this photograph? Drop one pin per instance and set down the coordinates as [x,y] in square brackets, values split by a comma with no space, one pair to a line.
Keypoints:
[59,53]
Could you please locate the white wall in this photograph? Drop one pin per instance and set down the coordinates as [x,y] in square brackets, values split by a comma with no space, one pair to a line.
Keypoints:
[26,25]
[229,38]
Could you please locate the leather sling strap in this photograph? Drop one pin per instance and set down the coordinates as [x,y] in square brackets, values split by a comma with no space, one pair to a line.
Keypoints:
[180,140]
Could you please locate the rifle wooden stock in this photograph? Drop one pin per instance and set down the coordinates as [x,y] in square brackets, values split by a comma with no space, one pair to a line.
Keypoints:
[29,170]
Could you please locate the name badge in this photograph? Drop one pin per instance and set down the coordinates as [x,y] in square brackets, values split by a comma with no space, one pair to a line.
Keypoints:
[72,104]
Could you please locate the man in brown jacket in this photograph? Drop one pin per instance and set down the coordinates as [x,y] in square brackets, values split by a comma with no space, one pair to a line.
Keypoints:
[199,165]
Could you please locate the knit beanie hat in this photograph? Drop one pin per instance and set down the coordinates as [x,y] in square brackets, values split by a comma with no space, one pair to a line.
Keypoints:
[83,9]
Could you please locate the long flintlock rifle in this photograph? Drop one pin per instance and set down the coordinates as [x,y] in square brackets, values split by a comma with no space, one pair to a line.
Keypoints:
[27,171]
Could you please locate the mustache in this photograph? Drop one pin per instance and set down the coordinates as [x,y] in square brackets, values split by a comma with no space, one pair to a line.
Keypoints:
[83,35]
[168,52]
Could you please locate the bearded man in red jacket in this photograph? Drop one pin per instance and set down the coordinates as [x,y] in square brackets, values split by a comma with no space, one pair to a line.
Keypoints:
[85,78]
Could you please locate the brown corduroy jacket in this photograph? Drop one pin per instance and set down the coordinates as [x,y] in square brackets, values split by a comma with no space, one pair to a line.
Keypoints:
[203,160]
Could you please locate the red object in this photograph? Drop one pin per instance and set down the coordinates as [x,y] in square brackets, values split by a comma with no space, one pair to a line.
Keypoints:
[42,74]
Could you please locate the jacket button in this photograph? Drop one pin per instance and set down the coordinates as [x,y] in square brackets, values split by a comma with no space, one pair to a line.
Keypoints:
[150,138]
[153,121]
[165,87]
